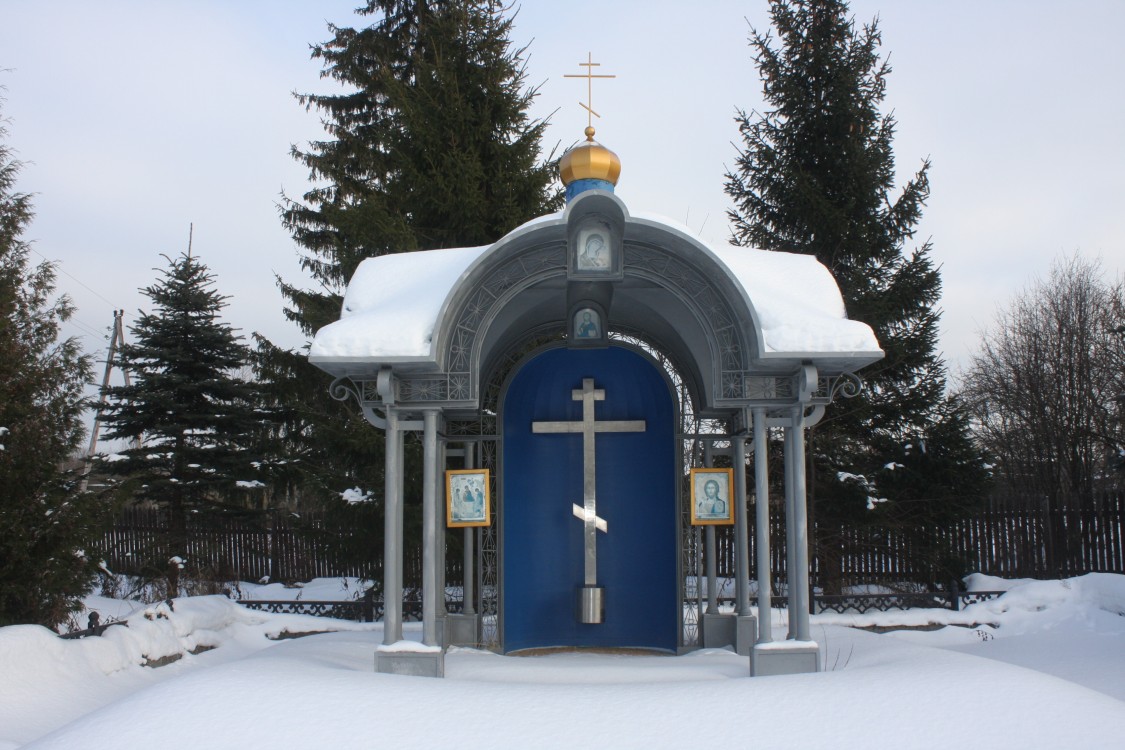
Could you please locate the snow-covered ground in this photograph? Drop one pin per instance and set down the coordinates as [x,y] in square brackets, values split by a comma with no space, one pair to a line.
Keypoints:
[1042,666]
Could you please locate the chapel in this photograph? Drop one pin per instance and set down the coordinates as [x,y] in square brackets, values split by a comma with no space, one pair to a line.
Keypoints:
[595,392]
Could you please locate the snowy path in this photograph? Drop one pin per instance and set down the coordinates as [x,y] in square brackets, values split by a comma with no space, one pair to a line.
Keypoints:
[1051,675]
[321,691]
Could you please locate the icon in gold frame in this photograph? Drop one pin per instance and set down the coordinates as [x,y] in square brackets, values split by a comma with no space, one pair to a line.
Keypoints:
[467,499]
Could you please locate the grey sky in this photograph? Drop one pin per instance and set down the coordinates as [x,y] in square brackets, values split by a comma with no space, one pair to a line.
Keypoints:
[138,118]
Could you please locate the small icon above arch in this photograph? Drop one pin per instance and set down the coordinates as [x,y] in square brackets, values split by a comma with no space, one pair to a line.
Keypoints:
[587,325]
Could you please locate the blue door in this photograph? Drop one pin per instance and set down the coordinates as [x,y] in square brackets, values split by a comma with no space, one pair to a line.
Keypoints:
[542,541]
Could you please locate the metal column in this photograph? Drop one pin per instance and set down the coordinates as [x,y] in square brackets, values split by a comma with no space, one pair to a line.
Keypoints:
[742,541]
[790,533]
[429,528]
[712,572]
[439,525]
[762,526]
[712,552]
[800,578]
[392,531]
[468,576]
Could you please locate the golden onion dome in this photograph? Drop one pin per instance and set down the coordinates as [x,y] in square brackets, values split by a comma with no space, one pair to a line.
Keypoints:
[589,161]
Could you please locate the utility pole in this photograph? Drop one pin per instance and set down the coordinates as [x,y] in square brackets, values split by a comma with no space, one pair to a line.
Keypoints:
[115,341]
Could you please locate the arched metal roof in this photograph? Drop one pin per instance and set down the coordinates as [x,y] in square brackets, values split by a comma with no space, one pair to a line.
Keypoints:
[736,319]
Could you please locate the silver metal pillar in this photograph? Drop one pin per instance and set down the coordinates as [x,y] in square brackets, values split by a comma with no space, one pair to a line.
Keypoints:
[468,577]
[712,572]
[468,592]
[762,526]
[741,528]
[790,533]
[800,529]
[439,526]
[392,531]
[697,538]
[400,538]
[711,551]
[429,527]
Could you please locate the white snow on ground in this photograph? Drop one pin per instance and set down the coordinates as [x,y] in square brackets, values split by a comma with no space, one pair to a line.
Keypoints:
[1042,666]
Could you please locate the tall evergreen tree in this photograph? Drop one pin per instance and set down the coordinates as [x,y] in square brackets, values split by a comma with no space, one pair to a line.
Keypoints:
[187,409]
[430,146]
[45,523]
[816,176]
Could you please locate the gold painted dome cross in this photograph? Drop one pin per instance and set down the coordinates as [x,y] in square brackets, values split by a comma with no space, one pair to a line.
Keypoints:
[589,75]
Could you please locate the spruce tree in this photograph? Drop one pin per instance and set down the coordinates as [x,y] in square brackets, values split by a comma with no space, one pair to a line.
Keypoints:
[430,146]
[816,176]
[188,414]
[45,524]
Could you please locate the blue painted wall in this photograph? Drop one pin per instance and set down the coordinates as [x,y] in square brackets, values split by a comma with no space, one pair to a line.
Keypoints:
[541,539]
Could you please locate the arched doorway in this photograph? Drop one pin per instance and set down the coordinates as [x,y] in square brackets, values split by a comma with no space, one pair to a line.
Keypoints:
[544,541]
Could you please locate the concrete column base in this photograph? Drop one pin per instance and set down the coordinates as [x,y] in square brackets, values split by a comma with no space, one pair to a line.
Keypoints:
[718,630]
[784,657]
[746,634]
[462,630]
[412,663]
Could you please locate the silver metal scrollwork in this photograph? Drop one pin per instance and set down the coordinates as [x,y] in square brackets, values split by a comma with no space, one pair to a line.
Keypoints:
[343,387]
[848,385]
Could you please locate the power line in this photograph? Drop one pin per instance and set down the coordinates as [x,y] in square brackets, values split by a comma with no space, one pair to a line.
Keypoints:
[86,329]
[58,267]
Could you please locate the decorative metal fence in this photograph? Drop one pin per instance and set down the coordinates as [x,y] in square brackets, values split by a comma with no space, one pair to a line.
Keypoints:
[885,602]
[370,609]
[367,609]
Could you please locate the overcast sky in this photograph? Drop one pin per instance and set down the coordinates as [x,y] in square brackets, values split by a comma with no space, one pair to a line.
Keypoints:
[136,119]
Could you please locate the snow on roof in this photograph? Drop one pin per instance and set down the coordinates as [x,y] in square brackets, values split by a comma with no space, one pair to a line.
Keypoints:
[797,302]
[392,304]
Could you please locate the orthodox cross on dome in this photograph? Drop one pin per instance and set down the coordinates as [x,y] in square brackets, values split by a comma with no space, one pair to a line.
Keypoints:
[589,75]
[589,427]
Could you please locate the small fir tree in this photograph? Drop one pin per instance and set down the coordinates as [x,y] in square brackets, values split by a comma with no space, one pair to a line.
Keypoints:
[816,176]
[187,411]
[46,524]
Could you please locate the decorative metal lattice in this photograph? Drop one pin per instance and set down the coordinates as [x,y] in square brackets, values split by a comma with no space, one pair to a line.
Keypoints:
[488,559]
[526,269]
[691,455]
[702,294]
[862,603]
[483,428]
[359,610]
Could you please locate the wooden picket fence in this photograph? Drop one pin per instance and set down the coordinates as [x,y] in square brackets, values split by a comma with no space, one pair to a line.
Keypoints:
[1005,539]
[1015,542]
[1008,540]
